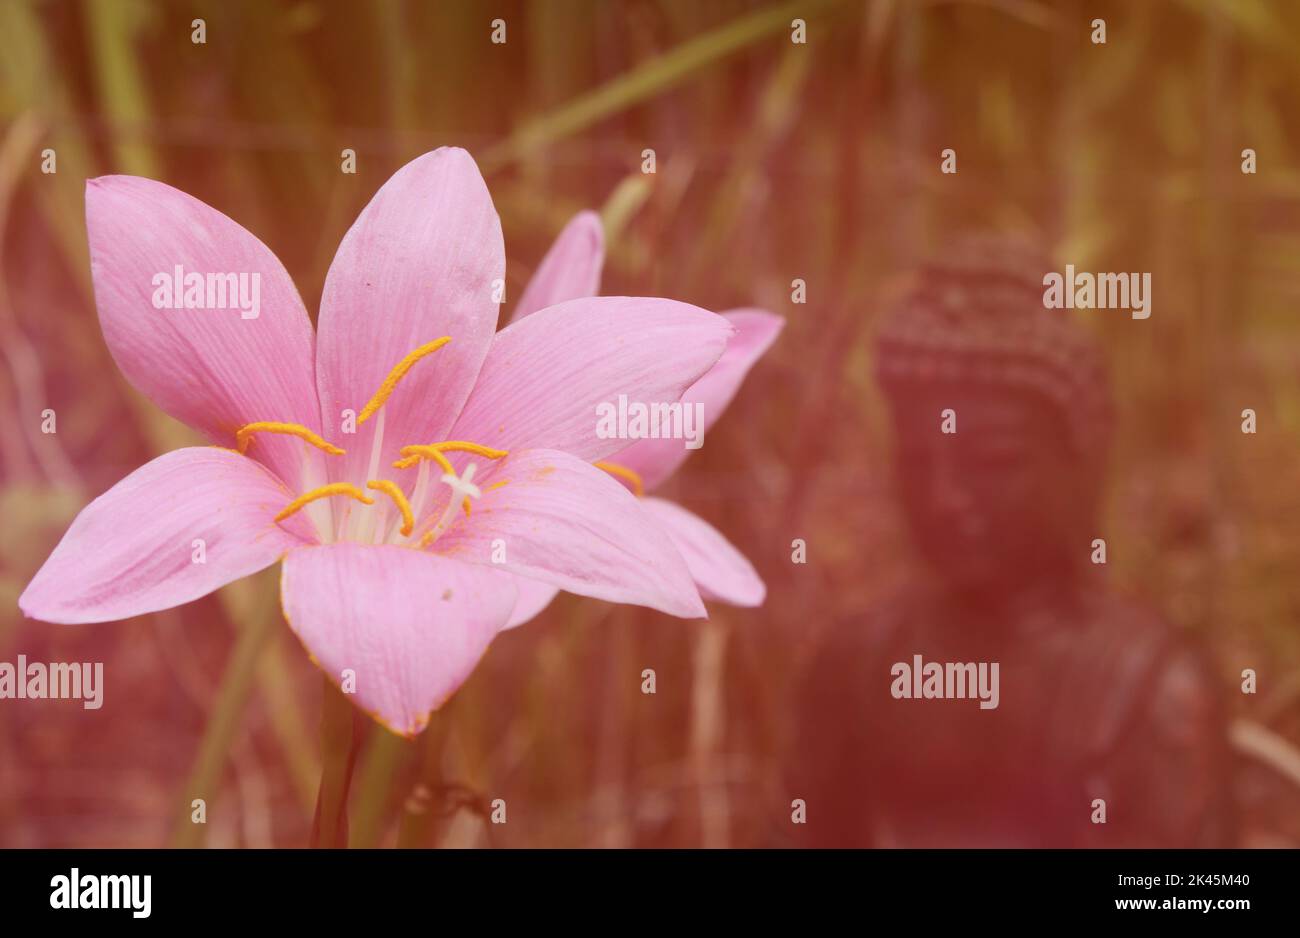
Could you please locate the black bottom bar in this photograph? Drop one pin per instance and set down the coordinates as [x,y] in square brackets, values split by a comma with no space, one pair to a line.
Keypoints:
[304,888]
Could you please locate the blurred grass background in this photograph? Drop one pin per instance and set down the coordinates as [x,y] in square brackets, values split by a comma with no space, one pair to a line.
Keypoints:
[775,161]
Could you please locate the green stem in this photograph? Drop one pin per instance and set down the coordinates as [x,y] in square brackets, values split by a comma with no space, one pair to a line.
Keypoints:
[387,754]
[284,710]
[223,724]
[421,811]
[647,80]
[338,738]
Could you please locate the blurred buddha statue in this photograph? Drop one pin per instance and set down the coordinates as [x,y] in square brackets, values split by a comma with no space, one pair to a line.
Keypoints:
[1104,710]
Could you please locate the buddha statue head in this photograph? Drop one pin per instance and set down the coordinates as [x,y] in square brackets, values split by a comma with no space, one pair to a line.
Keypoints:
[1001,415]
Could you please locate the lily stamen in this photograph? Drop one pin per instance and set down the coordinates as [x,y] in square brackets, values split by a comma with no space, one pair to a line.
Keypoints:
[623,472]
[394,491]
[325,491]
[436,451]
[465,446]
[399,371]
[413,454]
[244,435]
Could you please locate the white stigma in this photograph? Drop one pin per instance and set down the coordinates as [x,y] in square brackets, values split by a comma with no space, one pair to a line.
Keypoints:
[462,487]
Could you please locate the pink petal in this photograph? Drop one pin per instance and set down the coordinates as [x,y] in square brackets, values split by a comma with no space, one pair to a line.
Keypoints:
[418,264]
[132,550]
[534,596]
[210,368]
[571,268]
[720,571]
[547,373]
[567,523]
[410,625]
[756,330]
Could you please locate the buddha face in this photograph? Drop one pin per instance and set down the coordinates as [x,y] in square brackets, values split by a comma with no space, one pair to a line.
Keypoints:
[1000,504]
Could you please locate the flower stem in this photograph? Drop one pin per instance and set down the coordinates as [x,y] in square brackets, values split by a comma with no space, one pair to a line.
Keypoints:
[426,805]
[386,756]
[339,738]
[245,603]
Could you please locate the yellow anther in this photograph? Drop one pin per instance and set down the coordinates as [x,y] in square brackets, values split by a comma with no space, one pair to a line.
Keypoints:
[623,472]
[465,504]
[394,491]
[413,454]
[244,435]
[325,491]
[399,371]
[464,446]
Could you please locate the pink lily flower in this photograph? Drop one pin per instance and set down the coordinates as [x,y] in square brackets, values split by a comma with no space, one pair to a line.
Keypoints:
[572,269]
[356,452]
